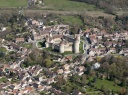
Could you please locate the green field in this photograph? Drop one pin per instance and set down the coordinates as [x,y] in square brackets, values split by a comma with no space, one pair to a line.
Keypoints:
[72,20]
[67,5]
[13,3]
[108,85]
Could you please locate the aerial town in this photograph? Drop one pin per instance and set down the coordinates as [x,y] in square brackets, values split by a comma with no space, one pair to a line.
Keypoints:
[54,54]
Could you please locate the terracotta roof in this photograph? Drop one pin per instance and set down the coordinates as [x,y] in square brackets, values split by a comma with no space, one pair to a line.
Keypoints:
[15,90]
[20,39]
[28,88]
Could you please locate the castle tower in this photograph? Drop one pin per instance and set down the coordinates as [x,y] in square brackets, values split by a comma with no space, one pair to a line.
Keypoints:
[77,36]
[50,34]
[47,42]
[76,45]
[61,47]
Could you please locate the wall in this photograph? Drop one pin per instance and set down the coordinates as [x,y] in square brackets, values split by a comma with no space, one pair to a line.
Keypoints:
[68,48]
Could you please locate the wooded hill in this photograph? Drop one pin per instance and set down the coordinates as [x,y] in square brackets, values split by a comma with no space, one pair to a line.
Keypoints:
[108,5]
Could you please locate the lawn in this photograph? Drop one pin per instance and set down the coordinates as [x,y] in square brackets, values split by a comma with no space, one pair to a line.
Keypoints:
[13,3]
[81,47]
[2,49]
[108,85]
[3,79]
[71,20]
[27,45]
[67,5]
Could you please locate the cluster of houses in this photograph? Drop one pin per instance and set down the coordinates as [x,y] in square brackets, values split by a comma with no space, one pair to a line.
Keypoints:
[101,43]
[34,79]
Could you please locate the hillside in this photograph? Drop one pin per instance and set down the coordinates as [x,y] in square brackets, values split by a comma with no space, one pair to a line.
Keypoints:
[110,6]
[12,3]
[67,5]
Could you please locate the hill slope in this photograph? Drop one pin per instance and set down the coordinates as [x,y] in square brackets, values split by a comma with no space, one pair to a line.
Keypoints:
[13,3]
[108,5]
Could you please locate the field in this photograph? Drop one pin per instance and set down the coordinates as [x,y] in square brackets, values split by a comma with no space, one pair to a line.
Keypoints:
[71,20]
[67,5]
[13,3]
[108,85]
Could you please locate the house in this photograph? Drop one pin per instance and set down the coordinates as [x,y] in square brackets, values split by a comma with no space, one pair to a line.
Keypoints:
[19,40]
[102,51]
[96,66]
[99,36]
[112,50]
[60,71]
[35,22]
[91,53]
[90,59]
[67,71]
[80,69]
[41,88]
[3,29]
[15,47]
[50,80]
[66,67]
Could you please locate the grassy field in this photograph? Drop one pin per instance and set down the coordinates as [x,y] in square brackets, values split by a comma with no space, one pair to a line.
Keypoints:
[13,3]
[71,20]
[67,5]
[108,85]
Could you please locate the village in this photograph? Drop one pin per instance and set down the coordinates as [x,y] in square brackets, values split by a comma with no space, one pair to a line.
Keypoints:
[16,79]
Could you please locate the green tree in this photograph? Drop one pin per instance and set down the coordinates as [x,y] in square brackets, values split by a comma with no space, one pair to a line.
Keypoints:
[48,63]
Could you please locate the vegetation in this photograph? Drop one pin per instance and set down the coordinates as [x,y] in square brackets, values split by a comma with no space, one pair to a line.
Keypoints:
[38,57]
[2,51]
[72,20]
[4,79]
[110,6]
[26,45]
[13,3]
[108,85]
[81,47]
[65,5]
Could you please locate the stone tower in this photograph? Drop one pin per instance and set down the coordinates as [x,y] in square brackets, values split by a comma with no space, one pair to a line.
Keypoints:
[61,47]
[76,45]
[77,36]
[50,34]
[47,42]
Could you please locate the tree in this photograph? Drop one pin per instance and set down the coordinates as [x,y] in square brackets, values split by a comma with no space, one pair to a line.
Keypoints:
[123,83]
[1,54]
[94,80]
[48,63]
[102,88]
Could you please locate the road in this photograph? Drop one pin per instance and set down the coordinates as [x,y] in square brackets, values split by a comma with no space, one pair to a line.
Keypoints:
[33,12]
